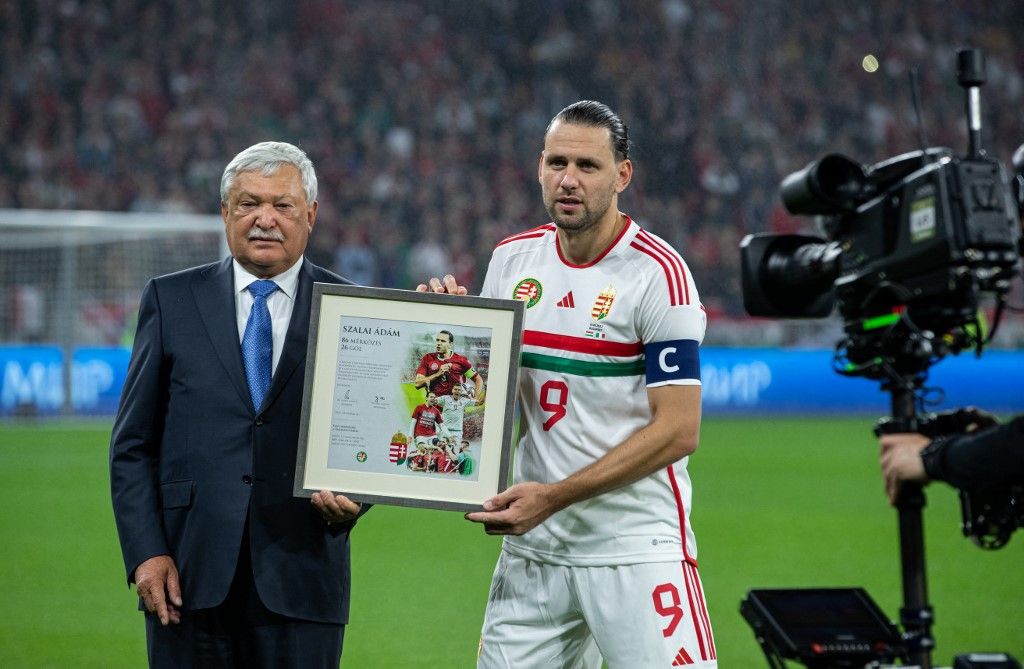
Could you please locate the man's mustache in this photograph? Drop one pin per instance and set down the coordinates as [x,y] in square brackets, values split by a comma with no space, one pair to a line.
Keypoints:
[265,235]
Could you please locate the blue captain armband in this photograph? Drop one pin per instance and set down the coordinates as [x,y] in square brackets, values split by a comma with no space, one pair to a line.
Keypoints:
[669,361]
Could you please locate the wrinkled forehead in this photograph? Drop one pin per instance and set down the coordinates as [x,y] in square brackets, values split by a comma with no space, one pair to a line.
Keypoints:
[284,181]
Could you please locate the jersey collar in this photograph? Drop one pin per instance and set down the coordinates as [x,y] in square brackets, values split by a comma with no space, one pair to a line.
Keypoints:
[600,256]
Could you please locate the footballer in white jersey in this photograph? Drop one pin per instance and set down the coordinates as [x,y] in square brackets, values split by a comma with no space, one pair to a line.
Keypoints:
[599,561]
[453,410]
[595,338]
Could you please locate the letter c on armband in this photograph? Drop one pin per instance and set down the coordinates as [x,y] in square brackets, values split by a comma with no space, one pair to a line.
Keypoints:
[665,367]
[676,360]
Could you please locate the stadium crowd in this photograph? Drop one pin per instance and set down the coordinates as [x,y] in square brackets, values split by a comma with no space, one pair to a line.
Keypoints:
[422,118]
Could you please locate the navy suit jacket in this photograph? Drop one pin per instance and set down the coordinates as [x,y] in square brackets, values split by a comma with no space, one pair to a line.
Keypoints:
[191,459]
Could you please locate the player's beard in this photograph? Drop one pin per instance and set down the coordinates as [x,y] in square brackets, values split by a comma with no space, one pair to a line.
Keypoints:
[586,219]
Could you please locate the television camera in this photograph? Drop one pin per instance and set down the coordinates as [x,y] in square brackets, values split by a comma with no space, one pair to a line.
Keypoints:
[914,242]
[912,247]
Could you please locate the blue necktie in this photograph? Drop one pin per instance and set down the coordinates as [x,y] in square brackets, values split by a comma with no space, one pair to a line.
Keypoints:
[258,342]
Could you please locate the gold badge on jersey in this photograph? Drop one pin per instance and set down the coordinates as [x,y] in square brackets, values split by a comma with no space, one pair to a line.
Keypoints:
[529,291]
[603,304]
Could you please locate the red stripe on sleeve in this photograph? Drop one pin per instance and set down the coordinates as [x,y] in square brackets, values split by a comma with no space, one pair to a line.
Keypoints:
[673,300]
[673,259]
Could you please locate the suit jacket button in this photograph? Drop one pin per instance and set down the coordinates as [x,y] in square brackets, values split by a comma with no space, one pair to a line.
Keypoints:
[259,421]
[247,480]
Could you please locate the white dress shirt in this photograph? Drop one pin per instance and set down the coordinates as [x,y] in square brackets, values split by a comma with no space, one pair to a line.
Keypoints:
[280,303]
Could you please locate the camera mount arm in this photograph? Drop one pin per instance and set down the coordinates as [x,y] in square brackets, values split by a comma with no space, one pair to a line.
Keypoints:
[970,74]
[916,614]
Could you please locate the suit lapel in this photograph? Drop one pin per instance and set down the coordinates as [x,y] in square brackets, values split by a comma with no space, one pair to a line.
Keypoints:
[294,351]
[214,293]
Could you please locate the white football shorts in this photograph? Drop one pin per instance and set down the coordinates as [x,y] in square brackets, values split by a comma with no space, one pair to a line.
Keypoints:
[639,615]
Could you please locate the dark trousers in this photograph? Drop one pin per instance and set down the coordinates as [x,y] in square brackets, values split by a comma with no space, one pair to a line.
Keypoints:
[242,632]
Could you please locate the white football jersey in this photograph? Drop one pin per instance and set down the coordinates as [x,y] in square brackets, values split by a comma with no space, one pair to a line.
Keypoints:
[595,338]
[453,411]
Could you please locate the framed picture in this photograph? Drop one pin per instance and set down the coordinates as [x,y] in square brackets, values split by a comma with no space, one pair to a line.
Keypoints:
[409,397]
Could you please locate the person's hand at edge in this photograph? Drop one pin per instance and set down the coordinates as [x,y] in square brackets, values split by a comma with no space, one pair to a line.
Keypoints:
[447,284]
[335,508]
[901,461]
[157,582]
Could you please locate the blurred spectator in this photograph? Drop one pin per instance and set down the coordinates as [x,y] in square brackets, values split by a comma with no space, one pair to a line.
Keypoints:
[354,258]
[429,253]
[421,114]
[26,313]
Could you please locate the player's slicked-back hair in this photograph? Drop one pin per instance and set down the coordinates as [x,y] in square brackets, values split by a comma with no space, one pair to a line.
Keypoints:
[597,114]
[267,158]
[451,337]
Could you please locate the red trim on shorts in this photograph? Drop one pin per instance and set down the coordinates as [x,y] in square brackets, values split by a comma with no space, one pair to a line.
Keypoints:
[693,580]
[704,615]
[698,626]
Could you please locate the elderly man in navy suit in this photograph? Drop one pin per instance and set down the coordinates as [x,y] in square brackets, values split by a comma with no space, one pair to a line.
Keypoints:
[231,569]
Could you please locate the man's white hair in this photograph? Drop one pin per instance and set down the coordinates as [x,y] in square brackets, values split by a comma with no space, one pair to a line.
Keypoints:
[267,158]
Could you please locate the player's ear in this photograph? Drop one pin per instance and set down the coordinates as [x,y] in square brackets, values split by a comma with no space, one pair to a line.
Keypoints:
[540,168]
[624,175]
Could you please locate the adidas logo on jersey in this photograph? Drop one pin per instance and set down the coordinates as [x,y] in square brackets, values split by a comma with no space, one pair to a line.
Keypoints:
[567,301]
[682,658]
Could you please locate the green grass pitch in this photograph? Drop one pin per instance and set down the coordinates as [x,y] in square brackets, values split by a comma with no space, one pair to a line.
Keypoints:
[778,503]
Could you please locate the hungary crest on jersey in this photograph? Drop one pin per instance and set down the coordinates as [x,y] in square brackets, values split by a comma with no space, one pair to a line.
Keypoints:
[529,291]
[603,303]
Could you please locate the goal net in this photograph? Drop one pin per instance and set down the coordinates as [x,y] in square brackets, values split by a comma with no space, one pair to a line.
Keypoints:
[72,279]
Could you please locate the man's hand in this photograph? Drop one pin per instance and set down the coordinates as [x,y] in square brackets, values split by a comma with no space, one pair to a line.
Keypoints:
[901,461]
[156,581]
[448,284]
[335,508]
[977,419]
[518,509]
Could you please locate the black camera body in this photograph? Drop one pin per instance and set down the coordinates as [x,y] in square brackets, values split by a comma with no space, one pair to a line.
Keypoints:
[921,226]
[925,229]
[916,239]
